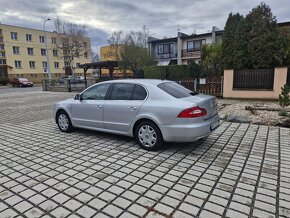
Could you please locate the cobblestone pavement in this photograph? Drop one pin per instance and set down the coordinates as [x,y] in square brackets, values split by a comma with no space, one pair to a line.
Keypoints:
[241,170]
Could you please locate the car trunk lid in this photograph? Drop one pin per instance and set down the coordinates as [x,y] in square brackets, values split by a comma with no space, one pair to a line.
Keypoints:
[207,102]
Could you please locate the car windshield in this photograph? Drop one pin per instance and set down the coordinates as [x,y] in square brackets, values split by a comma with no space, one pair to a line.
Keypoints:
[23,79]
[176,90]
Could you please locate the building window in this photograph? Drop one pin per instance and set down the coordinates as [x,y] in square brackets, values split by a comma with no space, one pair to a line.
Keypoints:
[165,48]
[56,64]
[2,54]
[14,36]
[32,64]
[30,51]
[85,44]
[43,52]
[28,37]
[18,64]
[16,50]
[1,47]
[55,53]
[66,63]
[1,32]
[86,54]
[194,45]
[2,61]
[41,39]
[53,40]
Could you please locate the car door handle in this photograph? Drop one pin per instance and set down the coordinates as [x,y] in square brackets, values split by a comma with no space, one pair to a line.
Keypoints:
[132,108]
[99,106]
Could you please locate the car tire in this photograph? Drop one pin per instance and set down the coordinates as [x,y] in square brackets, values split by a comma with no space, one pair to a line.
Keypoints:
[64,122]
[13,85]
[148,136]
[31,86]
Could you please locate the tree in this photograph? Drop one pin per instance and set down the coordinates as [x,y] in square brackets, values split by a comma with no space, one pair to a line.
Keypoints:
[71,42]
[230,33]
[262,36]
[131,50]
[211,58]
[240,55]
[283,47]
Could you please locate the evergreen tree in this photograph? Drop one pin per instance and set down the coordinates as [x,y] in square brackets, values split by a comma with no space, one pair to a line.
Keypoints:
[262,36]
[228,36]
[240,54]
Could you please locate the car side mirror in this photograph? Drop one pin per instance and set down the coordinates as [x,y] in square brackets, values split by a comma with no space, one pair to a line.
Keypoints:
[77,97]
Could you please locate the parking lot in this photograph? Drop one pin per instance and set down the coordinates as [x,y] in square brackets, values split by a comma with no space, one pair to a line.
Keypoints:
[241,170]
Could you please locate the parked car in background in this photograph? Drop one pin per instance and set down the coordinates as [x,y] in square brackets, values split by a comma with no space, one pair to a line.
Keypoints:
[80,79]
[153,111]
[69,78]
[21,82]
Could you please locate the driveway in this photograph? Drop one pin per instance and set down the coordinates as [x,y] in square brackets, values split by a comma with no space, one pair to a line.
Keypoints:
[241,170]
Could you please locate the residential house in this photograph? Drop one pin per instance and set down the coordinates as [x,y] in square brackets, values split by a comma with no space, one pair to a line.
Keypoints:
[182,49]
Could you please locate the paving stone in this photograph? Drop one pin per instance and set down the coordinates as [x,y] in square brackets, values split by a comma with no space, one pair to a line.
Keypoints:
[86,211]
[137,210]
[88,171]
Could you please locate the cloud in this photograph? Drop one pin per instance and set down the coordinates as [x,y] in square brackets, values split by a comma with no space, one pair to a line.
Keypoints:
[102,17]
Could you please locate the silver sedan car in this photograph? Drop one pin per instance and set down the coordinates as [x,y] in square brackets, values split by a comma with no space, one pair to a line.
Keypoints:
[152,111]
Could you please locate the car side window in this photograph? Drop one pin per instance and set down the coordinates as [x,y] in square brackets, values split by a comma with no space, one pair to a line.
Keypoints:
[139,93]
[97,92]
[122,91]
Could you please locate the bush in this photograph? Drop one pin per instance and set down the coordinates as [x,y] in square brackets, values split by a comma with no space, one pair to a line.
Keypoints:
[4,81]
[284,98]
[171,72]
[283,113]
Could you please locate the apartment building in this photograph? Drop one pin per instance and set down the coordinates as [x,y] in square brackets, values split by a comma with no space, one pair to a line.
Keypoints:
[23,54]
[182,49]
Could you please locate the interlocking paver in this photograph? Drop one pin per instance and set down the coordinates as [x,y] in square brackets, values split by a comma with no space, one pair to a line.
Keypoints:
[241,170]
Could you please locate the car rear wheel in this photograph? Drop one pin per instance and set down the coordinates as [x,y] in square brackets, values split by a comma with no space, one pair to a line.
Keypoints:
[63,122]
[148,135]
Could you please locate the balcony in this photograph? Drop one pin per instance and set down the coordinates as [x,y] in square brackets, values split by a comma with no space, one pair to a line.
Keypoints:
[166,56]
[192,53]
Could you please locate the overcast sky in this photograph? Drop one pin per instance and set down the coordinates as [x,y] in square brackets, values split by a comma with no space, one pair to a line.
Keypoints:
[102,17]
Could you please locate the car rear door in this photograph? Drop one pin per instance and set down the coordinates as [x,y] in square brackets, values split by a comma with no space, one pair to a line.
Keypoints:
[88,112]
[122,107]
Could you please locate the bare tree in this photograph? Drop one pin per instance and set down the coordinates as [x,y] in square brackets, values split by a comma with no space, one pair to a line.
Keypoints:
[131,50]
[70,42]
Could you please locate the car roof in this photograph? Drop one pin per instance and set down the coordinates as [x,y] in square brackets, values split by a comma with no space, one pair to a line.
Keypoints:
[141,81]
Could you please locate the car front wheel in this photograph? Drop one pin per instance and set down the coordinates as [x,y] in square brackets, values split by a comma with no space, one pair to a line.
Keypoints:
[148,135]
[63,122]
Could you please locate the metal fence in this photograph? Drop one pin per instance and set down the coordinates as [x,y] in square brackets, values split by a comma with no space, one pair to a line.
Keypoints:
[66,85]
[211,85]
[253,79]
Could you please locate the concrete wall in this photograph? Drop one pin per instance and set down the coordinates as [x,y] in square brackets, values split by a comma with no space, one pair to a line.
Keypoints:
[280,78]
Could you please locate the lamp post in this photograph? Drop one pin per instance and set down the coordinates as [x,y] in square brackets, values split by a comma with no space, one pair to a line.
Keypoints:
[46,50]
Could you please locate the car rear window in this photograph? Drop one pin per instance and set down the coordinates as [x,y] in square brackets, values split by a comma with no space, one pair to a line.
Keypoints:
[175,90]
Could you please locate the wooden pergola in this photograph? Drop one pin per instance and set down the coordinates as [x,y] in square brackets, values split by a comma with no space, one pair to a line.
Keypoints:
[110,65]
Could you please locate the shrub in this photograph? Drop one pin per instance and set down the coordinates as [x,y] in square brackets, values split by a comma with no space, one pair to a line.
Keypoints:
[283,113]
[4,81]
[284,99]
[171,72]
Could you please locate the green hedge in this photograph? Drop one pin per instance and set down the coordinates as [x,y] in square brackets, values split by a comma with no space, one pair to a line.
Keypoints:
[174,72]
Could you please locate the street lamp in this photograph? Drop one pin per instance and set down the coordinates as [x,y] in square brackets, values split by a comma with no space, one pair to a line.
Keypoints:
[46,50]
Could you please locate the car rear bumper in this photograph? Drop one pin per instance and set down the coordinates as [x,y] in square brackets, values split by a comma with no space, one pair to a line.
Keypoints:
[189,133]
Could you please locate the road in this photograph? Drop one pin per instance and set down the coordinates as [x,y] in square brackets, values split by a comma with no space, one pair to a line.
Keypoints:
[10,89]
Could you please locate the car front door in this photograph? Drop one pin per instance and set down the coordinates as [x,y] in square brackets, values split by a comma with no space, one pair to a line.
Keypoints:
[123,105]
[88,111]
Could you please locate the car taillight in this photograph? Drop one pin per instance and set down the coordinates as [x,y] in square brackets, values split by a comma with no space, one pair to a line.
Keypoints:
[192,112]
